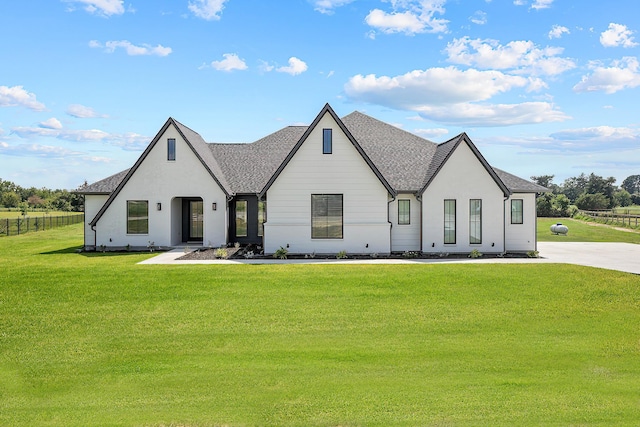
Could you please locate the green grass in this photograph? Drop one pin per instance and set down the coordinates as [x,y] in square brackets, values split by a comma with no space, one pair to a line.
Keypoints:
[94,339]
[14,213]
[582,231]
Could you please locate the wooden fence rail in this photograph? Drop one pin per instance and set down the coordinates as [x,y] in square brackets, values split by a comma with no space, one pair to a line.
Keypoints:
[611,217]
[28,224]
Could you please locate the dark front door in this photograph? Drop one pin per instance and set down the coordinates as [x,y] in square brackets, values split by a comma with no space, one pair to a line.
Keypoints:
[192,220]
[246,218]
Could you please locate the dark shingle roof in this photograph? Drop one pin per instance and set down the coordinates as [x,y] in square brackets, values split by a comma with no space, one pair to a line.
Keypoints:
[248,167]
[406,161]
[519,185]
[104,186]
[401,157]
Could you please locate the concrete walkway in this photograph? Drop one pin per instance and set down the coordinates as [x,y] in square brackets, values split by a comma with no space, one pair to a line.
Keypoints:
[613,256]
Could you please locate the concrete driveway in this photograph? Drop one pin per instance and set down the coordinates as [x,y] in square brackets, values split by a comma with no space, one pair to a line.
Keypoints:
[613,256]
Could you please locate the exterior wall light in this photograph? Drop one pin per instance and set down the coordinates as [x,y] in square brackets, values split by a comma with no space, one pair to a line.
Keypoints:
[159,206]
[214,206]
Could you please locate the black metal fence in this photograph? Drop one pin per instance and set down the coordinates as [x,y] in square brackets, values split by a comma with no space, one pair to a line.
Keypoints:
[28,224]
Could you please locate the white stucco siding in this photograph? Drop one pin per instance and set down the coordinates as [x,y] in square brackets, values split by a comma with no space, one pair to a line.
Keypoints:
[345,172]
[463,178]
[521,237]
[405,237]
[92,204]
[158,180]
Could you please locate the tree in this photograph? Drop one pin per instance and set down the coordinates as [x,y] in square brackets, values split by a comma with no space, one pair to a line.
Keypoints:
[573,187]
[632,184]
[592,202]
[622,198]
[10,199]
[605,186]
[546,181]
[553,205]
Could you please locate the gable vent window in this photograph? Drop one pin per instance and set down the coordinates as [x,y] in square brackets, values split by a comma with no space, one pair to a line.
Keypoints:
[171,149]
[326,141]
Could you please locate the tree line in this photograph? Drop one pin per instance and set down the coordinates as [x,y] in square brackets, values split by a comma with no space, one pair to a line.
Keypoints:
[586,192]
[13,196]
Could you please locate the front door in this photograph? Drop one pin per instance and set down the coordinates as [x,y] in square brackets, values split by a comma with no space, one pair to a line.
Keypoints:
[196,215]
[192,220]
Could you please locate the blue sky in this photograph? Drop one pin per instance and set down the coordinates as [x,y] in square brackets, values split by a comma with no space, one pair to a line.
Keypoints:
[541,86]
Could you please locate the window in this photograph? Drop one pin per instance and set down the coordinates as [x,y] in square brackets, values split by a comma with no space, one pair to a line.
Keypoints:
[137,217]
[450,221]
[262,217]
[404,212]
[475,221]
[171,149]
[516,211]
[326,216]
[326,141]
[241,218]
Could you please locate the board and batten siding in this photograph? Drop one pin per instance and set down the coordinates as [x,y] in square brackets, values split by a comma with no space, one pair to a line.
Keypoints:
[405,237]
[521,237]
[462,178]
[365,223]
[158,180]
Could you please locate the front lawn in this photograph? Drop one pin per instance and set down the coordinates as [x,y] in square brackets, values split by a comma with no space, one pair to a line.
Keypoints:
[94,339]
[582,231]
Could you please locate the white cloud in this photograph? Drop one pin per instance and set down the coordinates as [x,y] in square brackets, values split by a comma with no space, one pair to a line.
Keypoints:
[51,123]
[207,9]
[102,7]
[433,133]
[126,141]
[471,114]
[441,86]
[479,18]
[622,74]
[541,4]
[84,112]
[295,67]
[519,56]
[327,6]
[16,96]
[557,31]
[599,133]
[409,17]
[449,95]
[519,2]
[617,35]
[131,49]
[230,62]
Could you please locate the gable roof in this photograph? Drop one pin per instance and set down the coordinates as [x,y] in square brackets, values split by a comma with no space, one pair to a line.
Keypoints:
[446,149]
[402,161]
[327,110]
[192,139]
[401,157]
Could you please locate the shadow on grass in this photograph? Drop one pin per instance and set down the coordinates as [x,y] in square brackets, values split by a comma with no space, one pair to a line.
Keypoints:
[78,251]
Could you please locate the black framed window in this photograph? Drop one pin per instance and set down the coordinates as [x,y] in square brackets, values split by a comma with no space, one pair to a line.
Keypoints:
[404,212]
[171,149]
[450,221]
[326,216]
[241,218]
[327,141]
[262,217]
[137,217]
[475,221]
[517,211]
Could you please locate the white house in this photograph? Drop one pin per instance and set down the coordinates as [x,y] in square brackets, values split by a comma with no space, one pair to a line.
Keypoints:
[354,184]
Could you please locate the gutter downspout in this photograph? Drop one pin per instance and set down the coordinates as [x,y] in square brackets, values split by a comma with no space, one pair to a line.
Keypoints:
[264,215]
[419,199]
[95,236]
[504,225]
[393,198]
